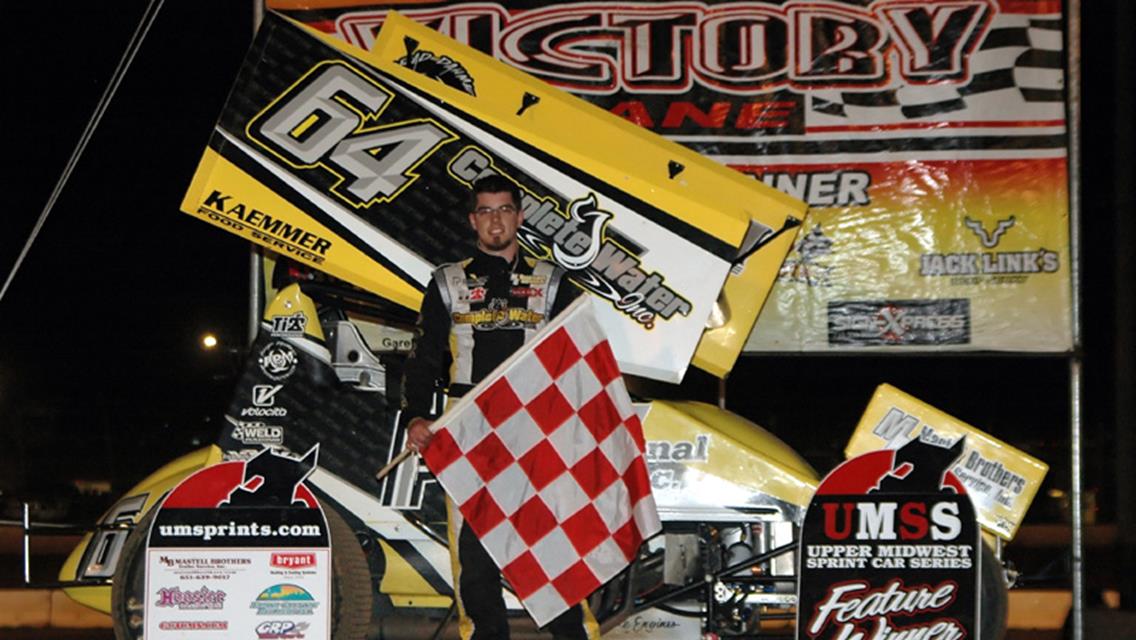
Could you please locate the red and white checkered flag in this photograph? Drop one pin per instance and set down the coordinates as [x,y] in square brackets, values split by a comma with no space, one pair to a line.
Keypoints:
[544,459]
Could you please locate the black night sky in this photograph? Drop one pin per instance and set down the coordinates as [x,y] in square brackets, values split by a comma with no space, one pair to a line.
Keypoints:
[101,373]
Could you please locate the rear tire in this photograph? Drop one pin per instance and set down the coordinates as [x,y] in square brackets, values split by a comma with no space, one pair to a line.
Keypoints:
[350,582]
[995,597]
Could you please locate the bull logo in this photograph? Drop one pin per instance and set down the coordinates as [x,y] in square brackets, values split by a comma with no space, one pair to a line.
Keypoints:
[989,240]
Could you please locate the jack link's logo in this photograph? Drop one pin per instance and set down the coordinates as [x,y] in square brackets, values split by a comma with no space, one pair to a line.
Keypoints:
[1003,266]
[989,240]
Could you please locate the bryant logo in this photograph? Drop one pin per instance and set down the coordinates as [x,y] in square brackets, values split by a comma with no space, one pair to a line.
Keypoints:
[293,560]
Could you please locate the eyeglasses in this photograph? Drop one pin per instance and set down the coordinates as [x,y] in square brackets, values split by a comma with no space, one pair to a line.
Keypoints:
[505,209]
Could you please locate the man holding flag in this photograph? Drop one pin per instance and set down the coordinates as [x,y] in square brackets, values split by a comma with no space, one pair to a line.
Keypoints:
[475,314]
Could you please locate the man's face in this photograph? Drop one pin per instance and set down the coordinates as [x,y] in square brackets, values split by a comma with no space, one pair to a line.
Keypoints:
[496,219]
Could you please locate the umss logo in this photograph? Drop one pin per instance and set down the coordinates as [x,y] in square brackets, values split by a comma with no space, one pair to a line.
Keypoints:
[899,322]
[293,560]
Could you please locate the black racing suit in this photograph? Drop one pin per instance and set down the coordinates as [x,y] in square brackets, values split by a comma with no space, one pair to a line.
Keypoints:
[476,313]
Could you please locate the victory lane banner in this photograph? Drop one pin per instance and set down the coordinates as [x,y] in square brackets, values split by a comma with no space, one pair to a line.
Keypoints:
[240,549]
[928,139]
[359,163]
[890,548]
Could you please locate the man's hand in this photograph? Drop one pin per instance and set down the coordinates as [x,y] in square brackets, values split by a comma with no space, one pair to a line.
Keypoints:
[418,433]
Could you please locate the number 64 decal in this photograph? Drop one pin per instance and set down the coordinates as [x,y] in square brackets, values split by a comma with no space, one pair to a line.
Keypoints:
[321,121]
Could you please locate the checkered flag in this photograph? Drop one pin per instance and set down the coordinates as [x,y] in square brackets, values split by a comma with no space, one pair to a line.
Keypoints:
[1018,66]
[545,461]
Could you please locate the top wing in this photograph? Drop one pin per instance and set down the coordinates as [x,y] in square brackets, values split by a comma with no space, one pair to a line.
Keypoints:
[358,164]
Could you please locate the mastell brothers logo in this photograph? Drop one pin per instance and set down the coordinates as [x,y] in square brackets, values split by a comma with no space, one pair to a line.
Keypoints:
[293,560]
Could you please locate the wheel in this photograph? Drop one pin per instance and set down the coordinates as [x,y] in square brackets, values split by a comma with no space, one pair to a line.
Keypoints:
[350,582]
[995,596]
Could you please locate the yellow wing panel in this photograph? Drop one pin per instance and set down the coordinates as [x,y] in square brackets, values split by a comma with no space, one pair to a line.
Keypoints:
[225,196]
[702,193]
[1000,479]
[742,298]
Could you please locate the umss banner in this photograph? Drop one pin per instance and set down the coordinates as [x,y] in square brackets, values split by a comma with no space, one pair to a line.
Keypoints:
[359,164]
[928,139]
[890,548]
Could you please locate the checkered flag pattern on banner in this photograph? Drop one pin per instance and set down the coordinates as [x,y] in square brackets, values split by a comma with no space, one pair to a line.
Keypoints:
[1018,63]
[545,460]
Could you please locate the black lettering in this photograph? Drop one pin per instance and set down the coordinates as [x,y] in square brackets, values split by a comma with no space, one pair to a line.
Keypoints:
[216,200]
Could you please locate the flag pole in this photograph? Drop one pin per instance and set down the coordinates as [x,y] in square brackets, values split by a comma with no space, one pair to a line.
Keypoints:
[399,459]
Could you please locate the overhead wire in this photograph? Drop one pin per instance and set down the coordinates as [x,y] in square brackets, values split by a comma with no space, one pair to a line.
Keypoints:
[132,49]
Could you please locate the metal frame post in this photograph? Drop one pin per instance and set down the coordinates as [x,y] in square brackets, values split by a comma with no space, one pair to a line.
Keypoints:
[256,265]
[1073,120]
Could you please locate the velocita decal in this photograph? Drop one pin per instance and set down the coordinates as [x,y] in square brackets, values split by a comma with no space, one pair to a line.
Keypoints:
[890,549]
[236,548]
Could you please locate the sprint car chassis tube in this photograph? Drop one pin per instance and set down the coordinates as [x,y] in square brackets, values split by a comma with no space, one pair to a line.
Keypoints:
[711,578]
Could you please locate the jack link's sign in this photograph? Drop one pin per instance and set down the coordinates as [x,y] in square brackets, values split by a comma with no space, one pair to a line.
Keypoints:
[890,549]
